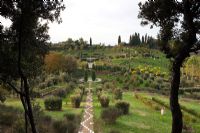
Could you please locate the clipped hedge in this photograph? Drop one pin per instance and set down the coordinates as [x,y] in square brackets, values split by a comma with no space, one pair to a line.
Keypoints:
[110,115]
[190,111]
[76,100]
[53,103]
[104,100]
[118,94]
[148,102]
[61,93]
[123,106]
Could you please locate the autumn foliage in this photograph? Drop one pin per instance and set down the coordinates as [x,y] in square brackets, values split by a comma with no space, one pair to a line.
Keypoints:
[56,62]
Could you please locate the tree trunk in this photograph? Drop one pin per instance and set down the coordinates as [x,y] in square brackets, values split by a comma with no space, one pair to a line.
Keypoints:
[29,106]
[177,122]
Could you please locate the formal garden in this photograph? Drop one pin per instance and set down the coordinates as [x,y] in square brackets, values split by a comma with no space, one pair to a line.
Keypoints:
[128,93]
[143,85]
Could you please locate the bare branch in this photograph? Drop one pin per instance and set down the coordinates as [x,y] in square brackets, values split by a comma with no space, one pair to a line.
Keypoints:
[12,86]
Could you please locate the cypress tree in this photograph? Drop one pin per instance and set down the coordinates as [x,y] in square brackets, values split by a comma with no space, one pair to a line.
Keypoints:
[90,41]
[119,40]
[86,76]
[93,76]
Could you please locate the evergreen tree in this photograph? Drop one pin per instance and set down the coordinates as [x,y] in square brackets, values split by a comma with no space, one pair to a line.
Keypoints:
[145,38]
[119,40]
[143,41]
[93,76]
[130,39]
[86,76]
[90,41]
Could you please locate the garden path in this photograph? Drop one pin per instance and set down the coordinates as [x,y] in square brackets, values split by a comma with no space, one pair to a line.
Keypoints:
[87,121]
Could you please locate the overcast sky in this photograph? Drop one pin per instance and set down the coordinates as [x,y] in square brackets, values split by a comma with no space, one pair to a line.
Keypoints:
[103,20]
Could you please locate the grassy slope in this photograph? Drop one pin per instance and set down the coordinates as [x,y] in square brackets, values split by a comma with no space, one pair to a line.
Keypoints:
[141,119]
[192,104]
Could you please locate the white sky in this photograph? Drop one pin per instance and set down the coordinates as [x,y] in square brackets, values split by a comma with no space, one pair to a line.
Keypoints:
[103,20]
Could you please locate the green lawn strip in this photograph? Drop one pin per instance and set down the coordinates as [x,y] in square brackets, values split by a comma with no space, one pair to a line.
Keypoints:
[186,104]
[142,119]
[66,107]
[190,104]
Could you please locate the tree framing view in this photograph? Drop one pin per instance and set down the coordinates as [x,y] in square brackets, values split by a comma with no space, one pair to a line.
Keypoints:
[98,72]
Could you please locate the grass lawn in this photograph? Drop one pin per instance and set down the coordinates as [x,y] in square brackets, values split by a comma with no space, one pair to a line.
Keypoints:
[142,119]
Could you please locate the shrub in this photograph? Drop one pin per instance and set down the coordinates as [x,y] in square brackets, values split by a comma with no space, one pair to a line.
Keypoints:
[99,95]
[147,84]
[104,100]
[60,126]
[65,77]
[86,76]
[71,85]
[157,86]
[61,93]
[82,88]
[76,100]
[49,83]
[70,117]
[3,94]
[42,85]
[70,124]
[139,80]
[93,76]
[114,131]
[8,115]
[118,94]
[108,86]
[152,78]
[146,76]
[19,126]
[123,106]
[53,103]
[98,89]
[110,115]
[7,118]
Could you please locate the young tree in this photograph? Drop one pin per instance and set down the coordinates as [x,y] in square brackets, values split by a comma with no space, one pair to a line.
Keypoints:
[70,64]
[23,45]
[90,41]
[166,14]
[86,76]
[119,40]
[93,76]
[143,41]
[130,39]
[54,62]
